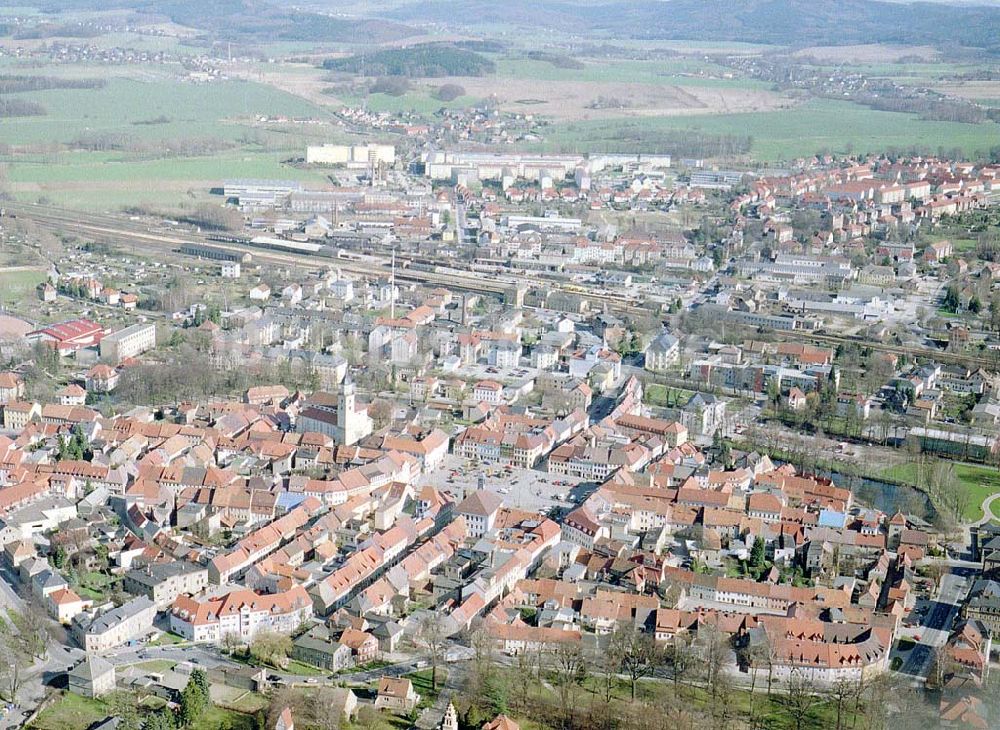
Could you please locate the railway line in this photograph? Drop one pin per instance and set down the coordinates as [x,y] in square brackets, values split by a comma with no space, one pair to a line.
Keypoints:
[138,236]
[953,358]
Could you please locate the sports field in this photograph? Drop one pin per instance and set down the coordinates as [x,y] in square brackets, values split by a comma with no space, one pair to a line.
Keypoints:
[17,285]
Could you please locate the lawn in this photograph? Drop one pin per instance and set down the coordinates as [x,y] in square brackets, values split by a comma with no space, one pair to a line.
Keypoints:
[157,665]
[71,712]
[216,718]
[819,125]
[977,482]
[664,395]
[304,670]
[16,286]
[769,712]
[422,684]
[93,585]
[166,639]
[251,702]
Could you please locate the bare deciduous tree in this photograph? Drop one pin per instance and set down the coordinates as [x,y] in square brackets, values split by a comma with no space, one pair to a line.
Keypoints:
[636,653]
[801,698]
[431,634]
[567,664]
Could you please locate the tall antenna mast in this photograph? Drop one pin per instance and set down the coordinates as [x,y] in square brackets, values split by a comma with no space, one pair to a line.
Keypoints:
[392,288]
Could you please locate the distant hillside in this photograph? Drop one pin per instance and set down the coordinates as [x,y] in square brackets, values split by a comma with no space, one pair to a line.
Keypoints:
[248,20]
[780,22]
[431,59]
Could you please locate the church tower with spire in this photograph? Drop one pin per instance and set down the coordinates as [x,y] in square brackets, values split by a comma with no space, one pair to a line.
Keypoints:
[353,422]
[450,720]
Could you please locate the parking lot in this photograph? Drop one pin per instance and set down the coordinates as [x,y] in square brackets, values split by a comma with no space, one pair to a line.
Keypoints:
[481,371]
[526,489]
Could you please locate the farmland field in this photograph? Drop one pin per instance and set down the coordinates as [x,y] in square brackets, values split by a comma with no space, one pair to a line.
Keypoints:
[106,181]
[675,72]
[812,127]
[128,126]
[159,109]
[420,101]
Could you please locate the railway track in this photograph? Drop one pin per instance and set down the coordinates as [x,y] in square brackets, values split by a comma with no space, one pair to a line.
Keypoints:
[135,234]
[953,358]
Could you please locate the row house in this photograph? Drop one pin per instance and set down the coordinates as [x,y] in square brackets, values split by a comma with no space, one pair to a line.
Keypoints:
[240,613]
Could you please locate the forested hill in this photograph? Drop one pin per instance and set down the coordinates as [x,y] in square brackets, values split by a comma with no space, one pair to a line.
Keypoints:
[431,59]
[779,22]
[247,20]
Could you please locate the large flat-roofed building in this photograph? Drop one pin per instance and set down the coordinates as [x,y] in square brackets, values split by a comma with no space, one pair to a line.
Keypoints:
[69,336]
[358,155]
[128,342]
[260,193]
[216,253]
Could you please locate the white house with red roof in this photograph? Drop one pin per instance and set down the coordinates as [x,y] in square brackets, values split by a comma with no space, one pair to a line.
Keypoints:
[488,391]
[242,613]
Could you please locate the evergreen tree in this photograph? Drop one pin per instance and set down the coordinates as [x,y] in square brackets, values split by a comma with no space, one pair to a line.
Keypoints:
[193,703]
[200,679]
[162,720]
[757,554]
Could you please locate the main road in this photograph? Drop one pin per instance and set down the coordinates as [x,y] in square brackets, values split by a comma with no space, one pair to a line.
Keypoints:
[934,629]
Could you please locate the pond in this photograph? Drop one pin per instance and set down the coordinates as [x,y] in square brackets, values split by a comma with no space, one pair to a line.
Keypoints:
[887,497]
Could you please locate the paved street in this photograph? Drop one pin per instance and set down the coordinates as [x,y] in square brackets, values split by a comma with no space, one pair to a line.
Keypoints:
[934,627]
[44,671]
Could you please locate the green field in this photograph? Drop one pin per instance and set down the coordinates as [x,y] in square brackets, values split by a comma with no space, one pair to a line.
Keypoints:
[143,118]
[816,126]
[976,482]
[181,110]
[103,167]
[16,286]
[674,72]
[106,180]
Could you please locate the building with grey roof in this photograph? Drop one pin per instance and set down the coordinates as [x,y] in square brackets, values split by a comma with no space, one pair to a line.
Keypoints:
[163,582]
[115,627]
[92,677]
